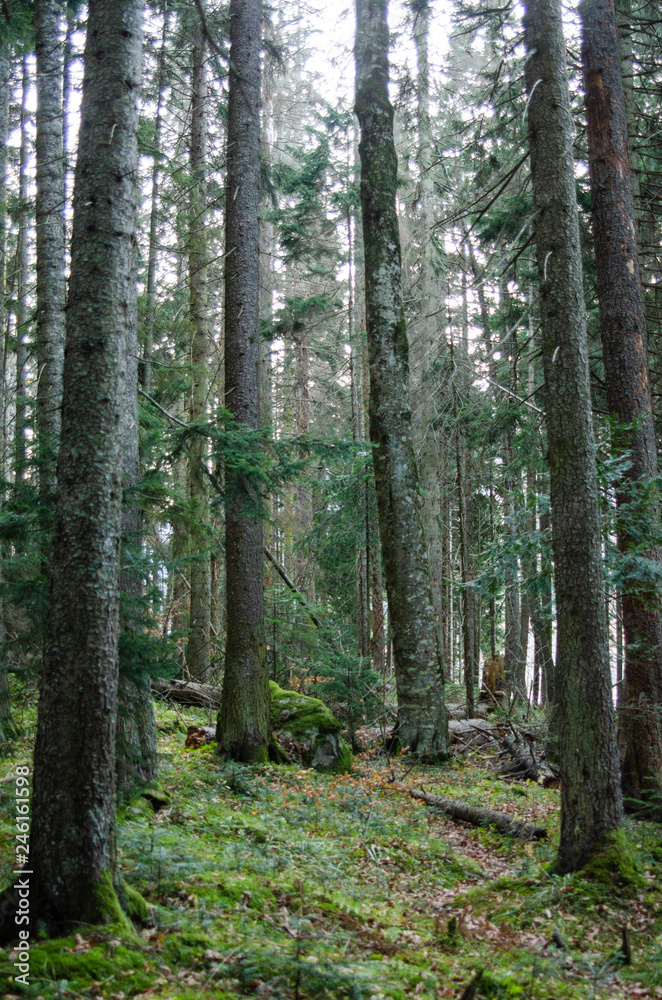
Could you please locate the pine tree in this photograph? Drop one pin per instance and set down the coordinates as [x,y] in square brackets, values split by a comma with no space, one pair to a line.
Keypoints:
[72,837]
[422,722]
[591,804]
[243,725]
[624,349]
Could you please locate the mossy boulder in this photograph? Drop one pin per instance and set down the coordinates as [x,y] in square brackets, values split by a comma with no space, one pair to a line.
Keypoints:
[307,727]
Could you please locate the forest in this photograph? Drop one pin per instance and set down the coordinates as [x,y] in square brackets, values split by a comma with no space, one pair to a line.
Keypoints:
[330,514]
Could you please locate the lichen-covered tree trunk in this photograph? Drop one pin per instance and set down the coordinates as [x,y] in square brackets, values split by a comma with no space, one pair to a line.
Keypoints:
[426,334]
[7,728]
[591,804]
[72,839]
[22,282]
[50,238]
[243,729]
[422,722]
[197,650]
[625,355]
[137,761]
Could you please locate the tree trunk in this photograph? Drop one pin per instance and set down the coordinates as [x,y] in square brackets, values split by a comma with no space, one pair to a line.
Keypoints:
[591,804]
[7,728]
[152,258]
[137,761]
[73,838]
[422,722]
[243,725]
[50,238]
[623,331]
[22,284]
[426,334]
[197,651]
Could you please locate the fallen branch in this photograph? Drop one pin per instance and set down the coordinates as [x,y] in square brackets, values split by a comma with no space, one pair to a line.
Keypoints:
[478,816]
[526,762]
[187,692]
[292,586]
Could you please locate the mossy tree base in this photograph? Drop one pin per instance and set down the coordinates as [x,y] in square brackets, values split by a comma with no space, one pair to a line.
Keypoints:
[97,904]
[613,863]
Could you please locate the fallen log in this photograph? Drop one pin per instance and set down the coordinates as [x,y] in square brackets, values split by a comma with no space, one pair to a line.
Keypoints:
[478,816]
[187,692]
[526,763]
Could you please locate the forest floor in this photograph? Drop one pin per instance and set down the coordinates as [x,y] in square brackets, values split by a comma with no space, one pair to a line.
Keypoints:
[281,883]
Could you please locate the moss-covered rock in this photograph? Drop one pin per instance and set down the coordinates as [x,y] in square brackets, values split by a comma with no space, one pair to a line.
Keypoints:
[157,798]
[310,728]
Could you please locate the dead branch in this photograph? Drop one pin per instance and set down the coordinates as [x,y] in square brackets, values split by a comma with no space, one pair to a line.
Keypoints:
[478,816]
[187,692]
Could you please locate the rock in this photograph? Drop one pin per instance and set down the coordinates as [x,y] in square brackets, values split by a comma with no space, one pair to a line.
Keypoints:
[308,730]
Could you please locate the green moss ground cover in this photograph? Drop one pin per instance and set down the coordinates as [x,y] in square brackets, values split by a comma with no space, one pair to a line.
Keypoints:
[285,883]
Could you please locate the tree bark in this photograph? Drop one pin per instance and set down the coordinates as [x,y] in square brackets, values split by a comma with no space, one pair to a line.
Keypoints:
[7,728]
[422,722]
[243,726]
[50,238]
[22,285]
[137,760]
[73,838]
[625,355]
[152,258]
[591,804]
[198,646]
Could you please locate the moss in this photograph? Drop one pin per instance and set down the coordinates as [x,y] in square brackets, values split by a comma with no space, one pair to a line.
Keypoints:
[137,907]
[168,721]
[58,960]
[157,798]
[345,760]
[310,723]
[499,989]
[300,715]
[613,863]
[100,904]
[186,948]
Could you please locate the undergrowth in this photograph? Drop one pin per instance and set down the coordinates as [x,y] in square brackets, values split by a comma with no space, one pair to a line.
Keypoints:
[282,883]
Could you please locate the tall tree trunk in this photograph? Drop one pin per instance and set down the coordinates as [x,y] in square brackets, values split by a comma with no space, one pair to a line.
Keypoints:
[73,838]
[303,503]
[6,722]
[198,648]
[591,804]
[152,257]
[362,544]
[243,727]
[513,661]
[22,285]
[426,334]
[137,760]
[422,722]
[68,87]
[50,238]
[623,331]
